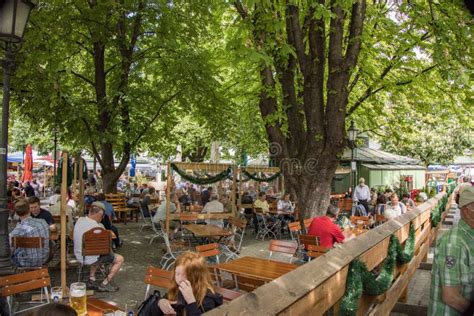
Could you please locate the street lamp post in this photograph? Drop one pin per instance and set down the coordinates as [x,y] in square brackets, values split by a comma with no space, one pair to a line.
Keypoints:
[13,18]
[352,144]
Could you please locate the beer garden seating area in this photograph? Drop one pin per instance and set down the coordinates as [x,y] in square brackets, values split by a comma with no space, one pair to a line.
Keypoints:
[240,261]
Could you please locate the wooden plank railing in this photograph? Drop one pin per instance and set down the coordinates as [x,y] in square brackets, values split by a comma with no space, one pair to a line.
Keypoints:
[319,285]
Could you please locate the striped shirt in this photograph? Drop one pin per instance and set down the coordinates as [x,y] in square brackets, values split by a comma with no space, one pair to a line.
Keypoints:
[453,265]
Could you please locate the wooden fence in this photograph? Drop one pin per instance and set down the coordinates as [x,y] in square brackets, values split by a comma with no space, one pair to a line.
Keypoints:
[319,285]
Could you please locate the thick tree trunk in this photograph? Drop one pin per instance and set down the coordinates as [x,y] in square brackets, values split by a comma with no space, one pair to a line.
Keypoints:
[310,183]
[109,182]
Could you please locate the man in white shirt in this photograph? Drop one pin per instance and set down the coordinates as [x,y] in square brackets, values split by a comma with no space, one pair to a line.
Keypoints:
[394,208]
[362,194]
[84,224]
[214,206]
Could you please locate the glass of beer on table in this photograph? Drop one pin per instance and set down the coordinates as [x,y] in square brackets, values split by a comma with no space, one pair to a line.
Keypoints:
[78,298]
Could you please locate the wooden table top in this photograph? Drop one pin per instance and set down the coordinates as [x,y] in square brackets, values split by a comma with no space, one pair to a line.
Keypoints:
[175,216]
[207,230]
[97,307]
[355,231]
[257,268]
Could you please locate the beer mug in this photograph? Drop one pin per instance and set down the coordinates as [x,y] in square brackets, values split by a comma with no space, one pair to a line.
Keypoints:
[78,298]
[360,224]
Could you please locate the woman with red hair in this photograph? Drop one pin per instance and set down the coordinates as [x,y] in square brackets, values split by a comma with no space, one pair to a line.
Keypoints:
[192,292]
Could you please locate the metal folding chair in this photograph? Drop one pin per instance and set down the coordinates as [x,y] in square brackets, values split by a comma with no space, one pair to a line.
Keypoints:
[286,247]
[95,242]
[267,225]
[173,250]
[238,230]
[146,220]
[157,230]
[25,282]
[157,277]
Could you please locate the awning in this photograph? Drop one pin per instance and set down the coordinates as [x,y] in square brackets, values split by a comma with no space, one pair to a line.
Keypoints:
[343,170]
[393,167]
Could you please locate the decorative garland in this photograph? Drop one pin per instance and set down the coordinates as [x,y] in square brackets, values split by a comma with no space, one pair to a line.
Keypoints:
[361,280]
[208,180]
[436,212]
[264,179]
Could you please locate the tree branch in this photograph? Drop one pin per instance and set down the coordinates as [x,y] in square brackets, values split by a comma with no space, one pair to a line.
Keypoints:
[83,78]
[94,148]
[150,123]
[355,33]
[295,37]
[241,9]
[370,91]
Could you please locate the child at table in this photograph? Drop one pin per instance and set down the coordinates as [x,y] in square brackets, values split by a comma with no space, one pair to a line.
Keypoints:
[191,292]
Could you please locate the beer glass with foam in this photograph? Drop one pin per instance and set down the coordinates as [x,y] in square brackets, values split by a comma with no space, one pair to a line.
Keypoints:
[78,298]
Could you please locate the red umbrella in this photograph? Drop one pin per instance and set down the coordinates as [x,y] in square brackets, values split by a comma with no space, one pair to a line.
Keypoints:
[28,165]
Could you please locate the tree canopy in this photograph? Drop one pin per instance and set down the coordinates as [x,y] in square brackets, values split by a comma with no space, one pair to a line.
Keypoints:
[258,76]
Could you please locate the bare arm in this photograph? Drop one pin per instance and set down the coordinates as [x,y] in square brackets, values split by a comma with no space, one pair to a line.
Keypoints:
[452,297]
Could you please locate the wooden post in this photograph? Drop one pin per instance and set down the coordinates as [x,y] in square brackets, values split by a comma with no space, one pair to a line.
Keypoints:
[63,222]
[282,177]
[404,296]
[81,186]
[240,186]
[74,179]
[234,189]
[168,194]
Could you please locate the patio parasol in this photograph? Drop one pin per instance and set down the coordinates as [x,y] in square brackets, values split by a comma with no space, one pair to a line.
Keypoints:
[28,165]
[133,165]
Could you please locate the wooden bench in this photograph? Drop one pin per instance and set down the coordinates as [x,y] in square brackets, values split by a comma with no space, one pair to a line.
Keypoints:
[119,203]
[25,282]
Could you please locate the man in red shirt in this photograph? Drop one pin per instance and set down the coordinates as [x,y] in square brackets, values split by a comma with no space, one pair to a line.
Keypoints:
[325,228]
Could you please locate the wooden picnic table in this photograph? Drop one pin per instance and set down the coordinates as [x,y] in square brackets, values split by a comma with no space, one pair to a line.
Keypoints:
[97,307]
[175,216]
[257,268]
[207,230]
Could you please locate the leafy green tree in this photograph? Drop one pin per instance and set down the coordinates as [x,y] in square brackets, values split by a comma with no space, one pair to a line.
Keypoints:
[103,72]
[321,62]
